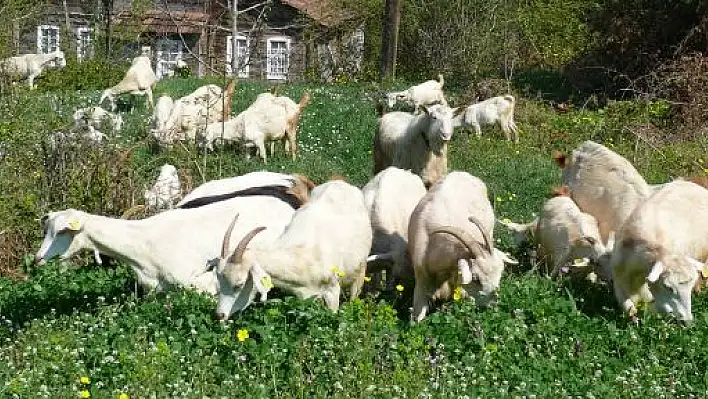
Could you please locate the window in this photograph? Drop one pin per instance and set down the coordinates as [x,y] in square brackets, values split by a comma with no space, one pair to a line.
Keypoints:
[47,38]
[169,51]
[242,54]
[83,43]
[278,51]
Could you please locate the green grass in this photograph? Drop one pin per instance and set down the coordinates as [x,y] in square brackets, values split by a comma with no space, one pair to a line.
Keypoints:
[548,339]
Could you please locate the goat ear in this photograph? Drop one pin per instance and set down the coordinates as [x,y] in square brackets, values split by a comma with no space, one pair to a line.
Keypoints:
[700,267]
[655,272]
[262,281]
[610,242]
[463,269]
[586,239]
[506,258]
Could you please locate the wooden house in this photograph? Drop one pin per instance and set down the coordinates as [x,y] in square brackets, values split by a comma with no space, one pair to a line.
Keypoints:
[275,39]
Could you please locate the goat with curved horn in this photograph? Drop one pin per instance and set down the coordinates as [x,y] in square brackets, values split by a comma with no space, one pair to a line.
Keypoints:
[441,265]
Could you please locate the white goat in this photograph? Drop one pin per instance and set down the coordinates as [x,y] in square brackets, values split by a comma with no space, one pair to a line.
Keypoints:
[88,134]
[603,184]
[161,112]
[95,117]
[463,258]
[489,112]
[29,66]
[270,118]
[424,94]
[165,191]
[391,197]
[416,142]
[323,249]
[171,248]
[661,250]
[138,80]
[563,233]
[194,111]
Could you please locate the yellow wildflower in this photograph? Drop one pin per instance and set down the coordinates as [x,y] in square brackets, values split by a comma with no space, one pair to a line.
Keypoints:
[85,380]
[338,272]
[123,395]
[457,295]
[85,394]
[242,335]
[399,288]
[499,199]
[506,220]
[266,282]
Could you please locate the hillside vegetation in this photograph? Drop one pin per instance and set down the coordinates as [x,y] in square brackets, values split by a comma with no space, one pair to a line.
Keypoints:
[72,329]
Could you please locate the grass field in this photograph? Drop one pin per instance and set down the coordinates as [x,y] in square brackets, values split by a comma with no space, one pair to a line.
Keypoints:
[79,330]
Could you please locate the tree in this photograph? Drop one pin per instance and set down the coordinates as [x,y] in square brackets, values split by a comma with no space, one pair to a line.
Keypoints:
[389,38]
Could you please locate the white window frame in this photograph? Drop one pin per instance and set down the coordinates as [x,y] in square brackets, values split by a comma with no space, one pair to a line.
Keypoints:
[270,58]
[166,66]
[84,52]
[243,52]
[40,37]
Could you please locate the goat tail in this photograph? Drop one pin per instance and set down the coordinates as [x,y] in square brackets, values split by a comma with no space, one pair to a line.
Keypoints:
[560,158]
[560,191]
[133,210]
[441,80]
[510,98]
[304,101]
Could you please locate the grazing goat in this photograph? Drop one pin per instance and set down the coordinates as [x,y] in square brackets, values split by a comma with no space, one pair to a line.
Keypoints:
[563,233]
[489,112]
[661,250]
[29,66]
[138,80]
[270,118]
[603,184]
[390,198]
[96,117]
[207,104]
[172,248]
[161,112]
[451,243]
[424,94]
[416,142]
[165,191]
[323,249]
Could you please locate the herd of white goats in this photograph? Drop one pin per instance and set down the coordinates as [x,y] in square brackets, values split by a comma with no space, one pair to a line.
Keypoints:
[241,236]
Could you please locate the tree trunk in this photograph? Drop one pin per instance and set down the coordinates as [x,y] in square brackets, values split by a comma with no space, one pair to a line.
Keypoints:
[389,38]
[234,40]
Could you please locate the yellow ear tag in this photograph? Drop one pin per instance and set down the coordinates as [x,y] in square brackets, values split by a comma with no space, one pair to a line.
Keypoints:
[704,271]
[266,282]
[578,261]
[74,225]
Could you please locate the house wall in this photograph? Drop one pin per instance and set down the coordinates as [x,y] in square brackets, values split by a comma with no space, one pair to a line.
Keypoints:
[208,43]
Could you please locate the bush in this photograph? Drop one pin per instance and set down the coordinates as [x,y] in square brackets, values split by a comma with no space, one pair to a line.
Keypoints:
[90,74]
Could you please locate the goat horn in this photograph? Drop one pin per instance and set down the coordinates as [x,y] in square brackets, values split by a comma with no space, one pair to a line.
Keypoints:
[227,237]
[462,235]
[487,240]
[241,248]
